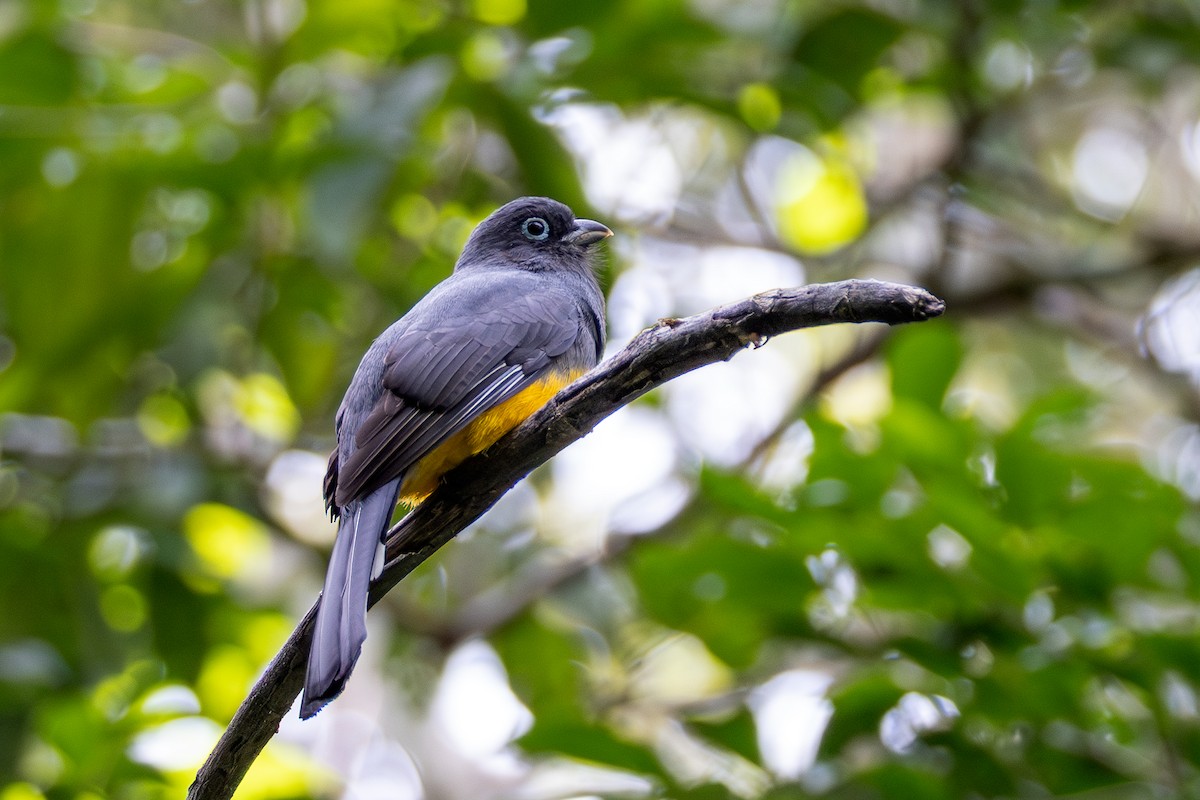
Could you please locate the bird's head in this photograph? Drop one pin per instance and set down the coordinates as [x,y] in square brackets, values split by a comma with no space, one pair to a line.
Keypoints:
[532,233]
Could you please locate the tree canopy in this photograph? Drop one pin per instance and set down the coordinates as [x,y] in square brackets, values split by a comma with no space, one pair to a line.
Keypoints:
[959,559]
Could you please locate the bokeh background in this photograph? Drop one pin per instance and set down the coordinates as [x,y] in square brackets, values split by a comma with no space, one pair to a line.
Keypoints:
[953,560]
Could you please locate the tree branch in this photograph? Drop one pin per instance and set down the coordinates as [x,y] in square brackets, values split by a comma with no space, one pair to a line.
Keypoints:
[656,355]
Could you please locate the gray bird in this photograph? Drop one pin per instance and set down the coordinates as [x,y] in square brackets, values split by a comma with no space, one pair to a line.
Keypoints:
[520,317]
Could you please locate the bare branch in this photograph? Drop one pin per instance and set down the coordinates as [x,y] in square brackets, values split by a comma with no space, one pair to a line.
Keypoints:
[658,354]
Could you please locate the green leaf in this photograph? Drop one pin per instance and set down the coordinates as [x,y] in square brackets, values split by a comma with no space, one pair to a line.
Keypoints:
[858,706]
[846,45]
[46,70]
[899,781]
[589,743]
[543,668]
[731,593]
[737,733]
[923,360]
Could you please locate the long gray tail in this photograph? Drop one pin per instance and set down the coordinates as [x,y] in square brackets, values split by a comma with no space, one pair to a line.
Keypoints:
[341,624]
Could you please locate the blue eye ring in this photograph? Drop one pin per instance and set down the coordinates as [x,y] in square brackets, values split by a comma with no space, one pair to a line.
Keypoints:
[536,229]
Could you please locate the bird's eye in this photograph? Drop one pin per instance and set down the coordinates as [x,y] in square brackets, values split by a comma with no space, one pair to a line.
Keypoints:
[535,229]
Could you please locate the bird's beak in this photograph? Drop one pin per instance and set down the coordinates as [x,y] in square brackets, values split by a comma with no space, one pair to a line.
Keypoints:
[587,232]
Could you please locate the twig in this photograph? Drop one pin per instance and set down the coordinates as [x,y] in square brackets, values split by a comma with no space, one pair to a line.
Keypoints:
[658,354]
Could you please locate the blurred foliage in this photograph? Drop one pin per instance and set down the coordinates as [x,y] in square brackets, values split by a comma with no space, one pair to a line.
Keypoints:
[960,559]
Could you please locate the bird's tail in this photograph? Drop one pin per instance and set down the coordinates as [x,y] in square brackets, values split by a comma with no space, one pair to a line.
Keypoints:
[341,624]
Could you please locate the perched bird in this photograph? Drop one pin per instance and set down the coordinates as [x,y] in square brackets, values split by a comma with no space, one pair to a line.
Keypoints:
[520,317]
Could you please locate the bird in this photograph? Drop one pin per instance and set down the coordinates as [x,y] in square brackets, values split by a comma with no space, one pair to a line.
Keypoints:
[520,316]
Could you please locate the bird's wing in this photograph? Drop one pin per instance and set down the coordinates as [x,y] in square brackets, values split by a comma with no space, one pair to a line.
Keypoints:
[438,376]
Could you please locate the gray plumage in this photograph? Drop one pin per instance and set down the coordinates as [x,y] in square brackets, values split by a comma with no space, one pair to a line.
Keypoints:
[522,302]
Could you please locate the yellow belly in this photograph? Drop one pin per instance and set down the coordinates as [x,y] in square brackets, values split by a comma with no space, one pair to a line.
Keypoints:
[478,435]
